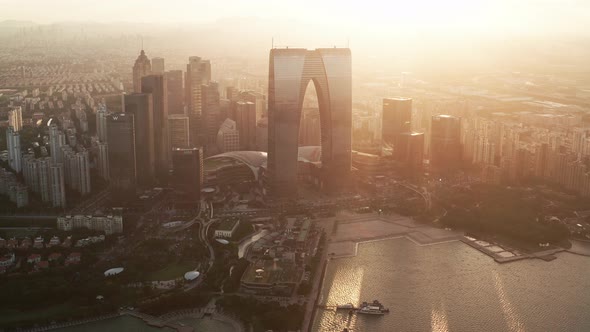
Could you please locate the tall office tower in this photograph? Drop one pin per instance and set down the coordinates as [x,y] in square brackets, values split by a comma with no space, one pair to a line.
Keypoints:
[15,118]
[156,85]
[198,72]
[309,131]
[396,119]
[246,122]
[290,71]
[210,111]
[140,105]
[158,65]
[121,153]
[57,139]
[101,123]
[178,126]
[141,68]
[410,150]
[14,149]
[258,99]
[57,185]
[188,172]
[175,92]
[103,160]
[45,184]
[228,137]
[262,134]
[445,142]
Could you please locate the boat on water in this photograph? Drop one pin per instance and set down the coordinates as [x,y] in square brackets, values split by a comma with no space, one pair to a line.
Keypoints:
[345,306]
[374,308]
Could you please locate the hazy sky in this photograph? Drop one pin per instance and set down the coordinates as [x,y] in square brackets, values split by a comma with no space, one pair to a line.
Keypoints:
[521,16]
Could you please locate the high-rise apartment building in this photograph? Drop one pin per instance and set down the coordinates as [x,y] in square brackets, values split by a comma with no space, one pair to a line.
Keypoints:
[57,185]
[57,139]
[121,153]
[175,92]
[141,68]
[158,66]
[101,123]
[157,87]
[14,149]
[140,105]
[103,160]
[178,126]
[15,118]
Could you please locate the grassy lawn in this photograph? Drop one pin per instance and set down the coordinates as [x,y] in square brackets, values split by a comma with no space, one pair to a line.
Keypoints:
[172,271]
[9,317]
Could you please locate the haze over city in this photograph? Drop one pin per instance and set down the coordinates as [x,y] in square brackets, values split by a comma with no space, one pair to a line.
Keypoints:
[294,166]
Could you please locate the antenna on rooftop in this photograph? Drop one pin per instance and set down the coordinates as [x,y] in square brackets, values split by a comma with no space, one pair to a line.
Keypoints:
[272,42]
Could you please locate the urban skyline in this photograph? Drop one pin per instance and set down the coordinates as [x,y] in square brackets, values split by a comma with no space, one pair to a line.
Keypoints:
[421,166]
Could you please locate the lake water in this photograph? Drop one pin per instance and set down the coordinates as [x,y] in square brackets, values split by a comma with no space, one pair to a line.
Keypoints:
[453,287]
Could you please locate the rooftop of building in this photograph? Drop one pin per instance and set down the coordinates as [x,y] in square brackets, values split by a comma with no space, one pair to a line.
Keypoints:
[227,224]
[270,271]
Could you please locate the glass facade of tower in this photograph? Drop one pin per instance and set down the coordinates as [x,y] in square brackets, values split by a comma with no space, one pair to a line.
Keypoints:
[445,142]
[290,72]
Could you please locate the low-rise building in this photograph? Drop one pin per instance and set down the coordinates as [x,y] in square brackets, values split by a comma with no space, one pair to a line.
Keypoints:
[54,256]
[34,258]
[7,260]
[110,224]
[227,227]
[73,258]
[53,242]
[38,244]
[270,277]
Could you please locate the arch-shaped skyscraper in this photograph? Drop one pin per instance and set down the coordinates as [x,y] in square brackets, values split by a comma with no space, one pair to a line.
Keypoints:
[290,72]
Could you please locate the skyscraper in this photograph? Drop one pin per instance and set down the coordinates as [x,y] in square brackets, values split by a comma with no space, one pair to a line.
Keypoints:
[140,105]
[198,72]
[15,118]
[188,172]
[290,72]
[210,112]
[175,92]
[410,150]
[141,68]
[178,126]
[445,142]
[397,117]
[158,65]
[246,122]
[121,153]
[156,85]
[14,149]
